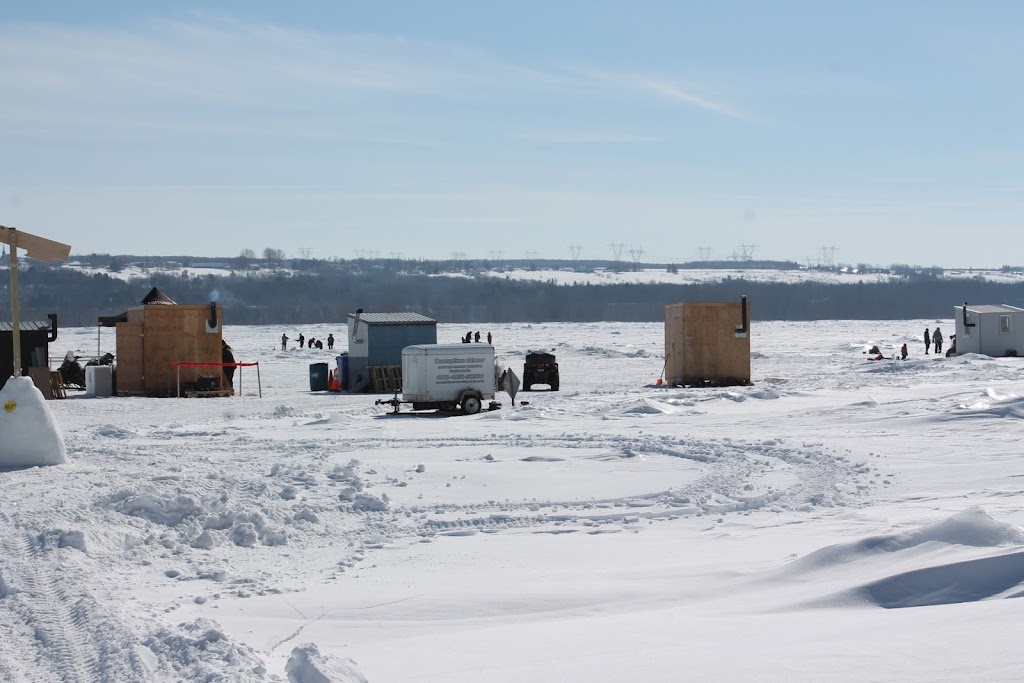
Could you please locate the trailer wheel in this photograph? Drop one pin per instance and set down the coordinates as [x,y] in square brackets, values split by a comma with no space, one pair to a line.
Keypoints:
[471,405]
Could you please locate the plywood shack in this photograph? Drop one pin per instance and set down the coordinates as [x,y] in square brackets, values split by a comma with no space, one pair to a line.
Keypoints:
[707,343]
[155,337]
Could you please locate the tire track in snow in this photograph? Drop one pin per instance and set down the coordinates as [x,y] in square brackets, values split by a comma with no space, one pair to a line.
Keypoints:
[71,635]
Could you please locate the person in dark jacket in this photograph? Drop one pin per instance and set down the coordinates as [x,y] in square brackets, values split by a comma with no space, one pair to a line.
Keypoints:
[937,340]
[302,340]
[489,337]
[903,352]
[927,340]
[476,337]
[319,345]
[284,342]
[330,341]
[228,356]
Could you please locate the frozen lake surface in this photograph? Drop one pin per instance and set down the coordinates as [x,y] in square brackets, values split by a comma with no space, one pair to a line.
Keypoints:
[841,519]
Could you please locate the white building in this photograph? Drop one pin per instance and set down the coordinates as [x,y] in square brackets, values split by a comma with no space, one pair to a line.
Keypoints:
[991,330]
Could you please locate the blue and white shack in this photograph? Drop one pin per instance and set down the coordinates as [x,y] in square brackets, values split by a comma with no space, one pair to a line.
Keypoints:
[375,343]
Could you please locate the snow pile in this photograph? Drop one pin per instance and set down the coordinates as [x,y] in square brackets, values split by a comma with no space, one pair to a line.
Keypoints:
[29,436]
[307,665]
[200,651]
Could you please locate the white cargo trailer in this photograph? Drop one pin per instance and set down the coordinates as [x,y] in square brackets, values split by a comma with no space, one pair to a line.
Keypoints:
[450,377]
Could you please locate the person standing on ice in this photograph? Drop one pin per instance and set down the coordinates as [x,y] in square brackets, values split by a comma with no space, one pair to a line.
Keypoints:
[927,340]
[330,341]
[227,355]
[937,340]
[284,342]
[489,338]
[302,340]
[903,352]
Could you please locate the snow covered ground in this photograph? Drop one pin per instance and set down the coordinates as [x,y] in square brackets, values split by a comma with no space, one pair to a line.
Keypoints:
[841,519]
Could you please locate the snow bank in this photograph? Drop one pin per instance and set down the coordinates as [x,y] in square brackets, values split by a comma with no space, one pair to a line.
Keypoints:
[972,527]
[29,436]
[307,665]
[948,584]
[997,575]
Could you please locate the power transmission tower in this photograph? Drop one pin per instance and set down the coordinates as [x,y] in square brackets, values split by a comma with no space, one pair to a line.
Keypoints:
[574,251]
[396,255]
[747,251]
[617,250]
[530,255]
[828,255]
[496,255]
[704,253]
[636,254]
[305,252]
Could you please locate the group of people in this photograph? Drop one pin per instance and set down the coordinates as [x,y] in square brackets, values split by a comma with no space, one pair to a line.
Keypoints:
[934,339]
[313,343]
[475,337]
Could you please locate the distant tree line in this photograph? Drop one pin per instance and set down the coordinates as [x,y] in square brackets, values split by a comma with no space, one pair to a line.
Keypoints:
[328,295]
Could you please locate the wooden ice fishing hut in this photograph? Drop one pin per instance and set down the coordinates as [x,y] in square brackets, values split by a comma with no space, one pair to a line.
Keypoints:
[707,343]
[155,336]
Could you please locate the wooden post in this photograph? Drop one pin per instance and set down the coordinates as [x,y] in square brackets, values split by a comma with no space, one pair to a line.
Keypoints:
[15,323]
[37,248]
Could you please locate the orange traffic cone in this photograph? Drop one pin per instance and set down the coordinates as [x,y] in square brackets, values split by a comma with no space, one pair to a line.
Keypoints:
[332,382]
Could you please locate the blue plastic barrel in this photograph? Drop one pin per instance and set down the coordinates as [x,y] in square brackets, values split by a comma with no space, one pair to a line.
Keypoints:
[318,377]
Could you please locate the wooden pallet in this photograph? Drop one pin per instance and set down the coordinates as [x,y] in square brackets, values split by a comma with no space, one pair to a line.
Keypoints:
[57,384]
[386,379]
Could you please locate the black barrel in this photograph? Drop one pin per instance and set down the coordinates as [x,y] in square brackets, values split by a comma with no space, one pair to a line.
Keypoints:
[318,376]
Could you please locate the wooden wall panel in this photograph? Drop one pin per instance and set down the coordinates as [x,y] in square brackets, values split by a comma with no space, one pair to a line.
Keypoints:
[177,334]
[674,338]
[130,366]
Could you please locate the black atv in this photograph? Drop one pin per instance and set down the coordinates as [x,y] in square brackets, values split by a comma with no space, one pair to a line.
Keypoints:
[540,368]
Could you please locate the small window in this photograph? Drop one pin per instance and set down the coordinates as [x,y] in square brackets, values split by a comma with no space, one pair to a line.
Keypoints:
[1004,324]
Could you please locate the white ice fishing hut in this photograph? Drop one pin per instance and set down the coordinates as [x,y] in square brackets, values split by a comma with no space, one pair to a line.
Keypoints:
[989,329]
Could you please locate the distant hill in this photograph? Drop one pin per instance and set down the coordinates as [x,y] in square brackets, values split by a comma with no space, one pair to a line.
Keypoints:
[255,291]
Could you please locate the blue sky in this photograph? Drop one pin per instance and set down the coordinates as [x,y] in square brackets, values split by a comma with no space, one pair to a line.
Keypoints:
[893,131]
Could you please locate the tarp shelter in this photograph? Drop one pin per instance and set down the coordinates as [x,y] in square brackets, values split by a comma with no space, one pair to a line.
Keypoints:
[707,343]
[35,345]
[992,329]
[377,340]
